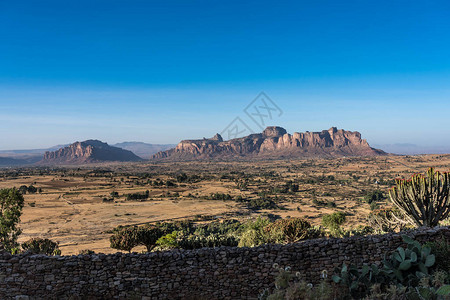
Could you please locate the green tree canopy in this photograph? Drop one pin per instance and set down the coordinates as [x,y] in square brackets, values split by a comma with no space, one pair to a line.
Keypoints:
[11,204]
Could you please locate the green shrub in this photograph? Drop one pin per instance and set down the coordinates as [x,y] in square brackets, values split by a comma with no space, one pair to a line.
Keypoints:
[221,196]
[289,230]
[254,233]
[195,241]
[148,235]
[214,234]
[168,241]
[138,196]
[374,196]
[124,238]
[333,222]
[11,205]
[263,202]
[41,246]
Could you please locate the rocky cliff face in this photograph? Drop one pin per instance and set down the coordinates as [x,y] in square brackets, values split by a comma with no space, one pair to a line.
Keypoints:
[275,142]
[90,151]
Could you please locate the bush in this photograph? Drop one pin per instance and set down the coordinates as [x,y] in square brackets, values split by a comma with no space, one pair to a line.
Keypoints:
[333,222]
[168,241]
[41,246]
[254,233]
[148,236]
[214,234]
[28,189]
[195,241]
[138,196]
[261,203]
[182,177]
[11,205]
[374,196]
[289,230]
[126,238]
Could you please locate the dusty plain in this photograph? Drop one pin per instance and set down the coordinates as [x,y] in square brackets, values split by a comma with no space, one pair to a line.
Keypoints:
[75,206]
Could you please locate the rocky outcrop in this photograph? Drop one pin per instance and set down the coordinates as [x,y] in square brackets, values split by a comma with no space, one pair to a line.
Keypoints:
[275,142]
[90,151]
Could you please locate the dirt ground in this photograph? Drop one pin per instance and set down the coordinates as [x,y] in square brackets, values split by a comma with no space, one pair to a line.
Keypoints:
[72,211]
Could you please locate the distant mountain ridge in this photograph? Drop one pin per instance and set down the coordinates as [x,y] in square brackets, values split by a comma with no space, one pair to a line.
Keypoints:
[412,149]
[274,142]
[90,151]
[32,151]
[20,161]
[144,150]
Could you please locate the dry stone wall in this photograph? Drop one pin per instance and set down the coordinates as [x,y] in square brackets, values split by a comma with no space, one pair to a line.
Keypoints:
[218,273]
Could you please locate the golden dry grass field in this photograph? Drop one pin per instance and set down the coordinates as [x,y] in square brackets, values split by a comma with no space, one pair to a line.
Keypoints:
[75,207]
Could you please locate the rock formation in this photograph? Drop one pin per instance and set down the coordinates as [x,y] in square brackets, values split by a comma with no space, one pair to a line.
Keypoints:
[90,151]
[274,142]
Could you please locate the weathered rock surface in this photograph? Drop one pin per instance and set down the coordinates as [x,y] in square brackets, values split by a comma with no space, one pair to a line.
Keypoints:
[90,151]
[275,142]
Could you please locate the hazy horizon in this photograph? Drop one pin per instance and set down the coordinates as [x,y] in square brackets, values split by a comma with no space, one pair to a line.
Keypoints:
[162,72]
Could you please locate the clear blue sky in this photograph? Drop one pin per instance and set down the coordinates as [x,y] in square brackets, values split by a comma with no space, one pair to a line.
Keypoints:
[161,71]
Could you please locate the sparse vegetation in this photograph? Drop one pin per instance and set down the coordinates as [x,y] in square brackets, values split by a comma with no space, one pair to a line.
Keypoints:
[138,196]
[41,246]
[110,195]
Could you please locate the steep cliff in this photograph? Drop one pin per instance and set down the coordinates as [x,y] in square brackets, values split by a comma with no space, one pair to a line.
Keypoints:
[90,151]
[274,142]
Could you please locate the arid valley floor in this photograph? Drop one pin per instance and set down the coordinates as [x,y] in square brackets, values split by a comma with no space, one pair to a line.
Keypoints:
[75,206]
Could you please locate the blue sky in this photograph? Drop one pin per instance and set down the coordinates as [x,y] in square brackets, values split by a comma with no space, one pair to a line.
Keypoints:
[161,71]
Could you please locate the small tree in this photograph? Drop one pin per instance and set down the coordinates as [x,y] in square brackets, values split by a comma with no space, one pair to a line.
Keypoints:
[23,189]
[424,200]
[41,246]
[11,204]
[124,238]
[148,235]
[32,190]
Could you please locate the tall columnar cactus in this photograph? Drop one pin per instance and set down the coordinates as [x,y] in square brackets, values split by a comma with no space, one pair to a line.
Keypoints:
[424,199]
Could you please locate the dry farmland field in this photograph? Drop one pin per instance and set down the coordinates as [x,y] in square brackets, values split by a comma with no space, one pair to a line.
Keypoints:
[79,206]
